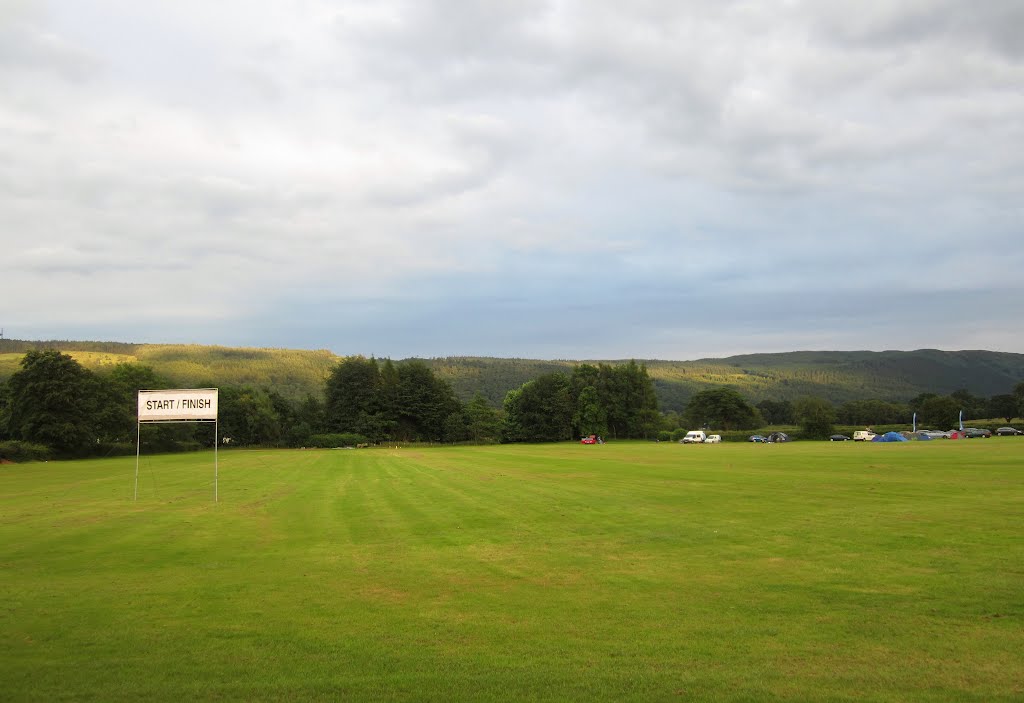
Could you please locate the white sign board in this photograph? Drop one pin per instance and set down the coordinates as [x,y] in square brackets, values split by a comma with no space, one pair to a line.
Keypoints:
[178,405]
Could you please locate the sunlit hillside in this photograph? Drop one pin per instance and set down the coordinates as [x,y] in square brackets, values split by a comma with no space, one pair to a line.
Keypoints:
[839,376]
[294,373]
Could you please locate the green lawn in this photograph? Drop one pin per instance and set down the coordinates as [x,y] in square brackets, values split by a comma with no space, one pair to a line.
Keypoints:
[628,571]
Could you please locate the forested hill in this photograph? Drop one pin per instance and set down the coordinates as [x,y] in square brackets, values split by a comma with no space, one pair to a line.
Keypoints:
[835,375]
[294,373]
[841,376]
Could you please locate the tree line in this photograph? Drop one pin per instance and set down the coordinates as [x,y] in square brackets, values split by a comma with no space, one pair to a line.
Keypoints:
[53,404]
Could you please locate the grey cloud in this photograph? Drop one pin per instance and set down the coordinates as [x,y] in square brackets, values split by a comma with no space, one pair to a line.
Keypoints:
[961,23]
[26,45]
[431,53]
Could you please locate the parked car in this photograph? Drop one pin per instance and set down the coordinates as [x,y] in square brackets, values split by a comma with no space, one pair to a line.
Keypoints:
[975,433]
[1008,431]
[588,440]
[934,434]
[713,439]
[839,438]
[694,437]
[863,436]
[756,438]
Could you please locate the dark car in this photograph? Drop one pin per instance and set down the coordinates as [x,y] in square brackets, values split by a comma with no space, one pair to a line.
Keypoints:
[1008,431]
[839,438]
[975,433]
[756,438]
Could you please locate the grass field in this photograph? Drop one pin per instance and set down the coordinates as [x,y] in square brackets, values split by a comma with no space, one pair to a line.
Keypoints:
[629,571]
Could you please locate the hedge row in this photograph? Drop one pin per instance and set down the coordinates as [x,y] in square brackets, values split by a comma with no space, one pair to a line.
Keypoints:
[338,439]
[15,450]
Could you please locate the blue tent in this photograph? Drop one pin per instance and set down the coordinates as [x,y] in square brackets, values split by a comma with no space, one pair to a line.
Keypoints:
[889,437]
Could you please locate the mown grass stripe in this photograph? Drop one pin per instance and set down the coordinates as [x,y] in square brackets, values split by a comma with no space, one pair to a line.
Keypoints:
[629,571]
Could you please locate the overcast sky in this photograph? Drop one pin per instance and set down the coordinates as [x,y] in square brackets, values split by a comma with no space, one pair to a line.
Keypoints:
[521,178]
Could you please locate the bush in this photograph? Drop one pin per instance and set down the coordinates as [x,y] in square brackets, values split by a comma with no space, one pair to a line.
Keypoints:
[678,434]
[664,436]
[15,450]
[338,439]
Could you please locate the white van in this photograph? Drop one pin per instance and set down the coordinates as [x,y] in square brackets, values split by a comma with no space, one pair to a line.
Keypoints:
[713,439]
[694,437]
[863,436]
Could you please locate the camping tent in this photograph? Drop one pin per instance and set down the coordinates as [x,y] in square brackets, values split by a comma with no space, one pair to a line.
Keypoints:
[889,437]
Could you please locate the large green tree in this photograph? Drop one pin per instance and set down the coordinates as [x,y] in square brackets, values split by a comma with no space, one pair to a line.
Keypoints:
[52,401]
[483,421]
[247,415]
[641,403]
[971,405]
[615,400]
[628,406]
[5,432]
[353,399]
[309,419]
[540,411]
[511,425]
[425,404]
[1004,406]
[403,401]
[722,408]
[939,412]
[777,412]
[816,416]
[590,416]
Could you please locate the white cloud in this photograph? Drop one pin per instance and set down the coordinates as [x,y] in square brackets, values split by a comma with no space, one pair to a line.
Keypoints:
[532,163]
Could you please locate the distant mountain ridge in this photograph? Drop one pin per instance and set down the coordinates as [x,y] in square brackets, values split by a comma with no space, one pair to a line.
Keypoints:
[838,376]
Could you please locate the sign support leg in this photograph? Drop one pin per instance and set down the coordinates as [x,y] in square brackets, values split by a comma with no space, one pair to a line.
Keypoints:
[138,438]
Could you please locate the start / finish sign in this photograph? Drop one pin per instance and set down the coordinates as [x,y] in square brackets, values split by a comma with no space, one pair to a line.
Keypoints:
[180,405]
